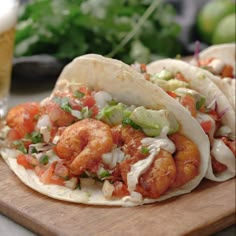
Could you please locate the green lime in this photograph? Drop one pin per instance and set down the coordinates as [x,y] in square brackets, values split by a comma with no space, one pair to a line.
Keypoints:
[225,30]
[210,15]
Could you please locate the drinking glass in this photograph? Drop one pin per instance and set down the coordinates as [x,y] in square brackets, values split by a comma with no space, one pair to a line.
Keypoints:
[8,19]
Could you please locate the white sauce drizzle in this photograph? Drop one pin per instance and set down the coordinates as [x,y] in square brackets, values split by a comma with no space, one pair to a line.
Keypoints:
[140,167]
[219,149]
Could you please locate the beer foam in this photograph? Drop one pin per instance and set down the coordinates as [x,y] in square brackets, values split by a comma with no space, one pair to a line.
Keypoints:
[8,14]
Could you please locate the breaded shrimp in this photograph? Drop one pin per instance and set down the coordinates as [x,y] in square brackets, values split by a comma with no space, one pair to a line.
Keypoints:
[187,159]
[83,143]
[159,176]
[23,118]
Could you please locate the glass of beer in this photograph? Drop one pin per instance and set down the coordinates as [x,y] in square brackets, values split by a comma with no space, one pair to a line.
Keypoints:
[8,19]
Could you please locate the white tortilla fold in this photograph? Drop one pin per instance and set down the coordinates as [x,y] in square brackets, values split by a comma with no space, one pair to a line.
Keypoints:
[227,54]
[200,81]
[120,80]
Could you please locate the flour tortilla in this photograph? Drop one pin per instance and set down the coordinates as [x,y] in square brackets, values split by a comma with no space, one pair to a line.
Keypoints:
[200,80]
[227,54]
[118,79]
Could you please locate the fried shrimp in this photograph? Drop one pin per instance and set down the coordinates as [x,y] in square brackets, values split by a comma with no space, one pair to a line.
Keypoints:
[187,159]
[83,143]
[22,118]
[159,176]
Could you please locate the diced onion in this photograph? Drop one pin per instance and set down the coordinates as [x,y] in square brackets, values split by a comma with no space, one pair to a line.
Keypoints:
[45,131]
[44,121]
[114,157]
[71,183]
[107,189]
[56,139]
[102,98]
[76,114]
[40,147]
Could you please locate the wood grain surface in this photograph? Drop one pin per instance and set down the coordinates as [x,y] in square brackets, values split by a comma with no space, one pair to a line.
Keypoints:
[208,209]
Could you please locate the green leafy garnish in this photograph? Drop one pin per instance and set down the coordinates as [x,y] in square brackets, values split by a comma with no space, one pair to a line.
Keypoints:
[44,159]
[104,173]
[19,145]
[65,28]
[64,103]
[128,121]
[35,137]
[144,150]
[86,112]
[200,103]
[78,94]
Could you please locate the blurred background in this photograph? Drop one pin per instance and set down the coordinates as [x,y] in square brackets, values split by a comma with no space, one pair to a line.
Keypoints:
[56,31]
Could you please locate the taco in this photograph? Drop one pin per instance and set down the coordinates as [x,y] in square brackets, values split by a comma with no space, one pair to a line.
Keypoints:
[192,88]
[105,137]
[220,60]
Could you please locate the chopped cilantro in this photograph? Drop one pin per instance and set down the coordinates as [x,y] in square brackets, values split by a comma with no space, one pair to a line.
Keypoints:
[104,173]
[19,145]
[64,103]
[35,137]
[128,121]
[112,102]
[144,150]
[78,94]
[86,112]
[200,103]
[43,160]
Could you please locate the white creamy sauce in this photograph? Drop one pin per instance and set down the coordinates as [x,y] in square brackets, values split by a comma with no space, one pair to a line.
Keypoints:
[201,117]
[219,149]
[154,146]
[223,154]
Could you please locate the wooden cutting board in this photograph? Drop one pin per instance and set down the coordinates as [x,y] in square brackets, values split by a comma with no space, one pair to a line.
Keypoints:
[208,209]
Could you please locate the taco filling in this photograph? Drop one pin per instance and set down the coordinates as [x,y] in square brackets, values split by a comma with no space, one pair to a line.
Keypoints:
[72,139]
[222,138]
[217,67]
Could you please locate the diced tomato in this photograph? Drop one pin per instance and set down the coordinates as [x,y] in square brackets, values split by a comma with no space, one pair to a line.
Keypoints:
[172,94]
[13,135]
[61,170]
[214,115]
[205,62]
[143,68]
[88,101]
[48,176]
[189,102]
[94,110]
[120,189]
[28,161]
[147,76]
[85,90]
[39,170]
[179,76]
[116,135]
[227,71]
[206,126]
[23,117]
